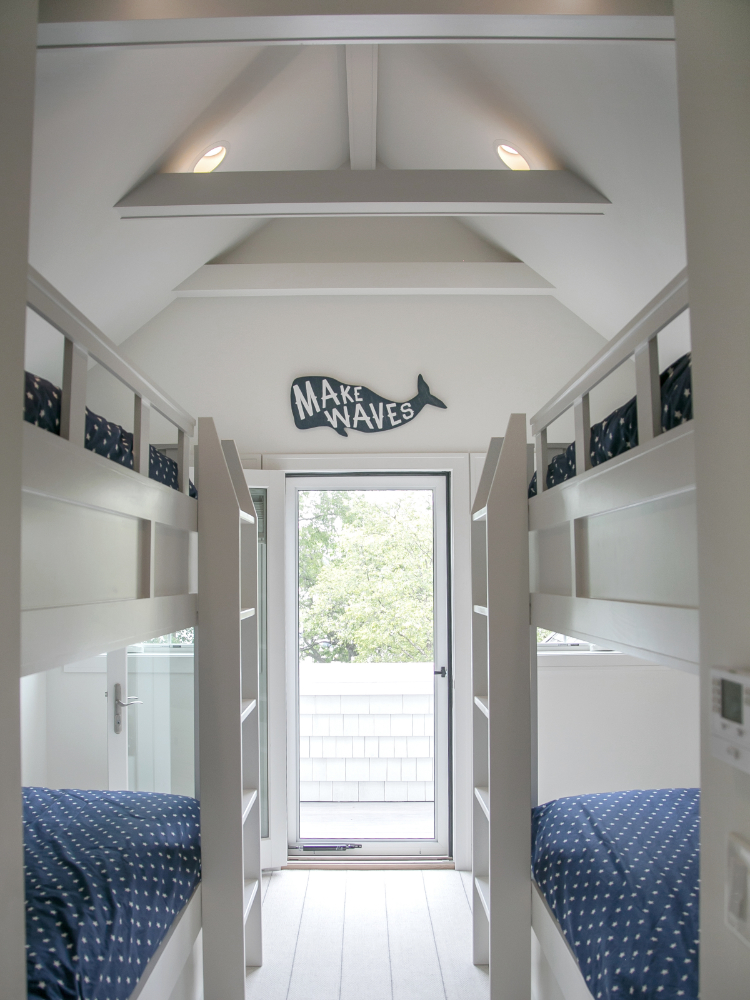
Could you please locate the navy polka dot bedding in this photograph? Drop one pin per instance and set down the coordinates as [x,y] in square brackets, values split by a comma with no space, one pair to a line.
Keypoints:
[620,872]
[42,402]
[106,874]
[618,432]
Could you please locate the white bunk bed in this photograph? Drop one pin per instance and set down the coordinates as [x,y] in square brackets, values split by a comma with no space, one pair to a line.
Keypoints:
[610,558]
[109,559]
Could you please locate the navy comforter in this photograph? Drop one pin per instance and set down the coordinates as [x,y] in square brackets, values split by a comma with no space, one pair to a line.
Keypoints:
[106,874]
[618,432]
[42,407]
[620,872]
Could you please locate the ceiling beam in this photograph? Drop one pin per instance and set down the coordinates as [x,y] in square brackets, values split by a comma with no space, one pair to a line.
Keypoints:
[362,100]
[362,278]
[274,194]
[83,23]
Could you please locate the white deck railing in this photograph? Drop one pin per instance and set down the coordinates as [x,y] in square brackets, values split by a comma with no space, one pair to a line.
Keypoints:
[637,339]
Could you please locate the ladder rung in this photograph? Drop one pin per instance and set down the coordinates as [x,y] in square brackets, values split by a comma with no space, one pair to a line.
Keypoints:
[248,895]
[249,795]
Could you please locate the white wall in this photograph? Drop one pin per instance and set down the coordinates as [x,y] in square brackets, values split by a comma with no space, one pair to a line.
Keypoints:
[18,21]
[64,726]
[609,722]
[34,729]
[713,43]
[485,356]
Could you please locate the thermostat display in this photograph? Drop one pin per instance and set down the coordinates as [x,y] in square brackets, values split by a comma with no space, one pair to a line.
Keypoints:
[730,717]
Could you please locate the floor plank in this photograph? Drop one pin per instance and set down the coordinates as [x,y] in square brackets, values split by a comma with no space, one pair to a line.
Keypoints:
[415,969]
[282,913]
[467,882]
[367,935]
[365,965]
[316,974]
[452,926]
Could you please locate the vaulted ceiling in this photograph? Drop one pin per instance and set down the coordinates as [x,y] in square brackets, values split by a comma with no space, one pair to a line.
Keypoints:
[107,118]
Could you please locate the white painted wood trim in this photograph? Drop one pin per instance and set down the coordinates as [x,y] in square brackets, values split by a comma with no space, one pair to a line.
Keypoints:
[274,848]
[55,467]
[73,402]
[309,193]
[556,949]
[539,23]
[362,103]
[227,668]
[53,307]
[162,972]
[51,637]
[582,422]
[655,632]
[460,509]
[355,278]
[661,310]
[502,717]
[664,466]
[648,390]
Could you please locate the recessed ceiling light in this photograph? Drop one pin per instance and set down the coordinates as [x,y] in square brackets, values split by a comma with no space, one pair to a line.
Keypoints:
[511,157]
[210,160]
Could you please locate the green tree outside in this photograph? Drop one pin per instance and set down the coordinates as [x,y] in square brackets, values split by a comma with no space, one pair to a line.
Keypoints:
[366,576]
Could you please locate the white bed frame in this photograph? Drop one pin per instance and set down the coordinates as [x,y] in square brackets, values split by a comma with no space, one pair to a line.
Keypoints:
[610,558]
[109,559]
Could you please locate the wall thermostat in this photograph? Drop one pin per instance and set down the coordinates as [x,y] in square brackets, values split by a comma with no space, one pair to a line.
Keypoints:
[730,717]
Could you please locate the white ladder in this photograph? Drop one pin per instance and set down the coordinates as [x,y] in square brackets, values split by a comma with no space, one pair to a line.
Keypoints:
[229,748]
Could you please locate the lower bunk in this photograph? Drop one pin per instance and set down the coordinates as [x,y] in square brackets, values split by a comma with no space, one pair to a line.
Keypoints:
[112,887]
[616,892]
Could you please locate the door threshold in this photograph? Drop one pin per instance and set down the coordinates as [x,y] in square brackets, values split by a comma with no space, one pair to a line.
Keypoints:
[365,863]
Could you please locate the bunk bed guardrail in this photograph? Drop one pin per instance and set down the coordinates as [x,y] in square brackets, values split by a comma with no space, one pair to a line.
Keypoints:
[108,553]
[613,549]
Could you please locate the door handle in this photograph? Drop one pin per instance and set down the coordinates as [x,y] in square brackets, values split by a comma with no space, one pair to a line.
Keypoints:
[120,704]
[442,672]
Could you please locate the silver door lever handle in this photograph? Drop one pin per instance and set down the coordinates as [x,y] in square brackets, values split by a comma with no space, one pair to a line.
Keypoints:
[119,705]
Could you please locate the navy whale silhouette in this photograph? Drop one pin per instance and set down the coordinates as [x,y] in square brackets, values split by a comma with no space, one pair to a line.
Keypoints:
[320,401]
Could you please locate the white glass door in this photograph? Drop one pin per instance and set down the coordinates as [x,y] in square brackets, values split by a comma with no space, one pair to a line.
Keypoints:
[369,673]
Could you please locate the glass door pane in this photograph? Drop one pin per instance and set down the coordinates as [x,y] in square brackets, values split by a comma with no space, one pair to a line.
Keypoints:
[368,626]
[161,730]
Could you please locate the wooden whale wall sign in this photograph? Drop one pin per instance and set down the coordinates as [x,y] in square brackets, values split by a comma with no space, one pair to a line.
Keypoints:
[325,402]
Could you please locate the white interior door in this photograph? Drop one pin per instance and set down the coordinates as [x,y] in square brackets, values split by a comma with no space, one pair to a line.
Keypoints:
[368,751]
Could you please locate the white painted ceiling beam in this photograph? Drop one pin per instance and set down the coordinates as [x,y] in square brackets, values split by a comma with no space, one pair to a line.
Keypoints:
[274,194]
[362,100]
[81,23]
[358,278]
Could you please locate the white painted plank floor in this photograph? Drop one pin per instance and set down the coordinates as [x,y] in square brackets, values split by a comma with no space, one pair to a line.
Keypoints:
[366,935]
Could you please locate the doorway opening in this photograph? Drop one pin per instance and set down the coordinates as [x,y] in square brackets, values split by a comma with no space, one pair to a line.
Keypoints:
[372,670]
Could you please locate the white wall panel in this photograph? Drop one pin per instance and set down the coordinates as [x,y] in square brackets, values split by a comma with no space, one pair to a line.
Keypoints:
[77,555]
[77,729]
[646,553]
[608,723]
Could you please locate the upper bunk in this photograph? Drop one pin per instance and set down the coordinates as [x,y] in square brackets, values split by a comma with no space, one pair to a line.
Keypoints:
[613,548]
[108,553]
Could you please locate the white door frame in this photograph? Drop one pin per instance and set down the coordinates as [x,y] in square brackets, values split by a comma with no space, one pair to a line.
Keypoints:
[459,514]
[440,844]
[274,847]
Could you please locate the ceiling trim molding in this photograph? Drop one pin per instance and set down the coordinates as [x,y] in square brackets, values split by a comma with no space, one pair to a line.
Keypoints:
[81,24]
[358,278]
[304,193]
